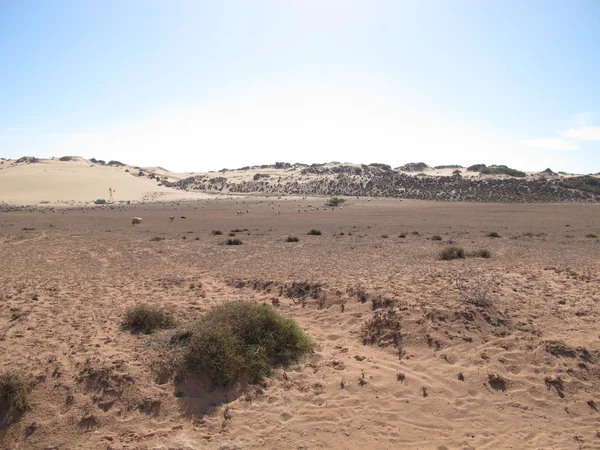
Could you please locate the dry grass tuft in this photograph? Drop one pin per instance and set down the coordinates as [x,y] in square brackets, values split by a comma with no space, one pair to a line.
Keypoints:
[452,252]
[144,318]
[15,392]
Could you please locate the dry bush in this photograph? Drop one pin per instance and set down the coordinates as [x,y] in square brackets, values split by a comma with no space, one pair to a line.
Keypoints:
[242,341]
[216,232]
[144,318]
[402,236]
[591,235]
[383,329]
[292,239]
[232,234]
[358,292]
[493,234]
[302,290]
[235,241]
[436,238]
[477,291]
[382,302]
[452,252]
[15,390]
[481,253]
[156,239]
[314,232]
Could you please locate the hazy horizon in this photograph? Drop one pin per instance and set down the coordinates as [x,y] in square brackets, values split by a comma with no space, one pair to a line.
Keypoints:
[198,86]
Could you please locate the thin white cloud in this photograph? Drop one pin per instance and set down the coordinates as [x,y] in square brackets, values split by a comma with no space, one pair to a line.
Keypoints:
[583,119]
[552,144]
[582,133]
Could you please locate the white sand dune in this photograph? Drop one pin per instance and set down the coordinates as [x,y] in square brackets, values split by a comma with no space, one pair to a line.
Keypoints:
[78,181]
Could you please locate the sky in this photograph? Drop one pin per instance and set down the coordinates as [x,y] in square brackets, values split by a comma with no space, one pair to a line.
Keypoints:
[205,85]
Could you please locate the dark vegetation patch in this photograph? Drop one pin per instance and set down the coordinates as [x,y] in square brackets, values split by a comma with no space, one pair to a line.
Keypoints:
[292,239]
[242,342]
[314,232]
[217,232]
[235,241]
[144,318]
[157,239]
[15,390]
[436,238]
[383,329]
[493,234]
[452,252]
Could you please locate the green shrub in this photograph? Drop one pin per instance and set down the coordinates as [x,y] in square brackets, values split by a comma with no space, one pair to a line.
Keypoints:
[292,239]
[502,170]
[235,241]
[314,232]
[15,390]
[242,341]
[144,318]
[452,252]
[65,158]
[335,201]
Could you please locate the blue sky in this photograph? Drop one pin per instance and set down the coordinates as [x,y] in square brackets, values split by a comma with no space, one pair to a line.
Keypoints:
[199,85]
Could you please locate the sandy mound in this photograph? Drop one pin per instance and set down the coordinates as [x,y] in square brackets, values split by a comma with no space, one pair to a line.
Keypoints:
[75,180]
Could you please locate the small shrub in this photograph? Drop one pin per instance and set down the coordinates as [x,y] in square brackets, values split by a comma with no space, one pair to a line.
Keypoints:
[482,253]
[238,230]
[217,232]
[157,238]
[436,238]
[144,318]
[493,234]
[335,201]
[415,233]
[232,234]
[452,252]
[476,292]
[384,236]
[314,232]
[15,390]
[242,341]
[402,236]
[383,329]
[381,302]
[591,235]
[65,158]
[100,201]
[233,242]
[292,239]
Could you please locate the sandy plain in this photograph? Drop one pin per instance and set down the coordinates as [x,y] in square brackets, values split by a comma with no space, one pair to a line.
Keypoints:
[67,277]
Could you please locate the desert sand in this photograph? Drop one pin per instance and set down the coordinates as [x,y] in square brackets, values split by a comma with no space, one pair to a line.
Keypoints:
[78,182]
[521,371]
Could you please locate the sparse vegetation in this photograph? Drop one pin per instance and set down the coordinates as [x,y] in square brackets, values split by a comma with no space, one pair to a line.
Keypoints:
[335,201]
[493,234]
[452,252]
[314,232]
[144,318]
[383,329]
[502,170]
[591,236]
[157,239]
[481,253]
[292,239]
[436,238]
[65,158]
[217,232]
[242,341]
[476,292]
[15,392]
[235,241]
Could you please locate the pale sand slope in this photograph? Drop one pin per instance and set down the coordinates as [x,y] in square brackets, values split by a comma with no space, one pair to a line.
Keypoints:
[78,182]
